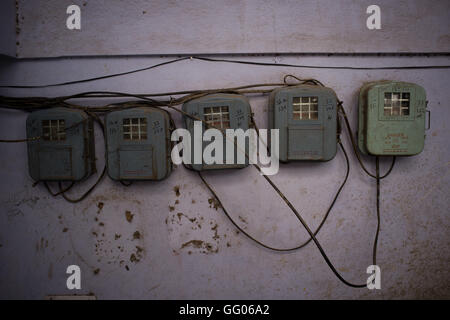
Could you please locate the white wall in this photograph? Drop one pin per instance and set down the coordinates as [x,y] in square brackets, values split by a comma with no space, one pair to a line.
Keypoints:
[161,27]
[414,242]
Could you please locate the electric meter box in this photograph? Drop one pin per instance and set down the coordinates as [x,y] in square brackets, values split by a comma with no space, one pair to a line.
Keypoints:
[223,111]
[306,116]
[65,150]
[391,118]
[138,143]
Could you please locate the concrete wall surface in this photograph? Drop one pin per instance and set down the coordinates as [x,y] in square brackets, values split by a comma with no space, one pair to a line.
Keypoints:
[232,26]
[40,236]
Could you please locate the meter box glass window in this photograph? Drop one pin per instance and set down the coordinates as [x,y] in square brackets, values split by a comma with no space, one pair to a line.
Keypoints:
[223,111]
[138,143]
[66,148]
[391,118]
[306,116]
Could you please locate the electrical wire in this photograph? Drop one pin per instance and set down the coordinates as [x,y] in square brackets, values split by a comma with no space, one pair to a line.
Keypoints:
[375,243]
[20,140]
[355,148]
[84,195]
[311,234]
[54,194]
[321,67]
[222,60]
[260,242]
[323,219]
[95,78]
[40,137]
[35,103]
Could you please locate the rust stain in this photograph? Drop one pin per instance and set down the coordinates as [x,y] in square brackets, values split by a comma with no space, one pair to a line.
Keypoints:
[200,244]
[136,235]
[100,207]
[176,189]
[213,203]
[216,235]
[129,216]
[194,243]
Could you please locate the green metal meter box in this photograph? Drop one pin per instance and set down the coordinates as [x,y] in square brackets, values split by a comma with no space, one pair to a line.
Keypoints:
[306,116]
[391,118]
[138,143]
[65,150]
[223,111]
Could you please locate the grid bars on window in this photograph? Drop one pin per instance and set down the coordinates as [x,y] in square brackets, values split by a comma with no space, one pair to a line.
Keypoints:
[218,117]
[305,108]
[54,130]
[396,103]
[134,129]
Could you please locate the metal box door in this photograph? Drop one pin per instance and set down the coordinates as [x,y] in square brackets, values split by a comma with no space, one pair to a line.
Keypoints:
[239,118]
[310,138]
[380,131]
[66,148]
[138,143]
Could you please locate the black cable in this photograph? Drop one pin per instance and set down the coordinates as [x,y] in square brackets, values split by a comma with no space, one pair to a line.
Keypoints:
[301,81]
[84,195]
[40,137]
[20,140]
[311,234]
[227,61]
[319,67]
[323,219]
[355,148]
[375,243]
[54,194]
[261,243]
[96,78]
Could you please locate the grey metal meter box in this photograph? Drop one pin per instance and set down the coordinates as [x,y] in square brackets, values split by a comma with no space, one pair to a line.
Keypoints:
[306,116]
[66,148]
[391,118]
[138,143]
[223,111]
